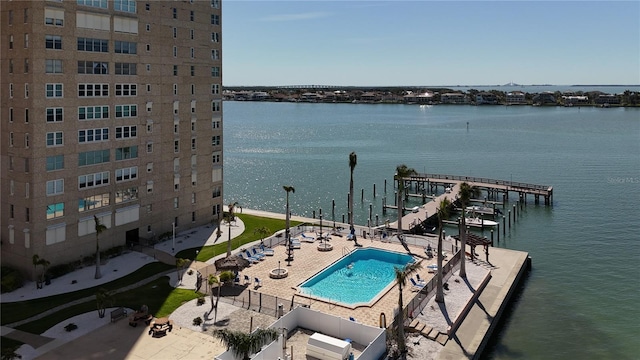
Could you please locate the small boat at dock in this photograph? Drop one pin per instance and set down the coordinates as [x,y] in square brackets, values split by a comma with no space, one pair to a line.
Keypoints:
[482,210]
[479,222]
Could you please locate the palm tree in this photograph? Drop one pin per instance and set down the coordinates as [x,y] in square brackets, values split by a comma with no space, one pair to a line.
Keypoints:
[288,189]
[38,261]
[262,231]
[401,278]
[242,344]
[213,280]
[180,265]
[464,194]
[103,299]
[353,161]
[230,218]
[402,171]
[100,227]
[443,213]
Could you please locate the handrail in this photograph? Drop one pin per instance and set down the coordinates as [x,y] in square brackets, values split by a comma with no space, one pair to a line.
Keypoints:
[511,184]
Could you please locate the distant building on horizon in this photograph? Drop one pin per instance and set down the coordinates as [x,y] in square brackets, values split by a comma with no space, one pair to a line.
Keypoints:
[110,109]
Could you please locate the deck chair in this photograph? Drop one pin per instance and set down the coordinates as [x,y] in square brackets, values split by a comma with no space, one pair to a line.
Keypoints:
[258,283]
[251,259]
[307,238]
[247,280]
[415,286]
[254,255]
[267,251]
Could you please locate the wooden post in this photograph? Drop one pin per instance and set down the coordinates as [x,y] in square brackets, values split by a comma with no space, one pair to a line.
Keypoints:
[504,228]
[374,190]
[491,237]
[509,219]
[498,232]
[361,195]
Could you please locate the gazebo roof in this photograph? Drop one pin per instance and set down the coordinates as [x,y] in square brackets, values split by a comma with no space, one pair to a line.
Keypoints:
[474,240]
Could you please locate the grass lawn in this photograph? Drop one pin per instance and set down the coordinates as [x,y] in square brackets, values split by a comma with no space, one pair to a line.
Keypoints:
[251,223]
[161,298]
[16,311]
[9,346]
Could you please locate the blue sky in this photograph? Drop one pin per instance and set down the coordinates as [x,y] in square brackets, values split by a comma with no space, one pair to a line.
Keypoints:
[395,43]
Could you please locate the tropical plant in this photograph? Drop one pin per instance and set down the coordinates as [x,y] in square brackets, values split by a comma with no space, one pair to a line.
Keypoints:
[230,217]
[443,213]
[38,261]
[181,264]
[104,299]
[464,194]
[242,344]
[402,171]
[353,161]
[263,231]
[401,278]
[99,227]
[226,276]
[288,189]
[214,280]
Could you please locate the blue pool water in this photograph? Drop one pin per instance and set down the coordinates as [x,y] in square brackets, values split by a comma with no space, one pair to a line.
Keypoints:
[357,278]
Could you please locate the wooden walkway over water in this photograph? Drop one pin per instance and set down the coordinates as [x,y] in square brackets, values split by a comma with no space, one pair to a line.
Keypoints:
[497,191]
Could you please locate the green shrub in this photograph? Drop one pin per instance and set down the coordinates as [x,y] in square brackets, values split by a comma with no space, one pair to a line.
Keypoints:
[11,279]
[227,277]
[197,321]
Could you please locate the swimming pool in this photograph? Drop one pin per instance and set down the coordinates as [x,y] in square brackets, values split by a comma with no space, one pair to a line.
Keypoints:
[357,278]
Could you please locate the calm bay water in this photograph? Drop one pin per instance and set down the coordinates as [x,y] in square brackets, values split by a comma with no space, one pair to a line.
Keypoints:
[581,298]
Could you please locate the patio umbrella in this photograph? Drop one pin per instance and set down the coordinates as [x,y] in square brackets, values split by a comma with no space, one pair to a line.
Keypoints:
[235,263]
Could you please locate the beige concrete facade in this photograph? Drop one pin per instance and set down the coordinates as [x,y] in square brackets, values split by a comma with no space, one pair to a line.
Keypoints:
[48,203]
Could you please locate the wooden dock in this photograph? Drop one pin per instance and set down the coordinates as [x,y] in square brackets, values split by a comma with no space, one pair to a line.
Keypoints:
[497,191]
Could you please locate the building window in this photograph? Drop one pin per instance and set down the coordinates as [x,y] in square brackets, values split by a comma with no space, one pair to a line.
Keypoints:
[94,3]
[11,90]
[93,180]
[149,147]
[176,202]
[175,70]
[126,174]
[192,34]
[215,89]
[215,37]
[26,116]
[93,112]
[11,139]
[148,27]
[54,139]
[215,4]
[126,69]
[148,87]
[215,124]
[215,54]
[175,32]
[217,192]
[53,17]
[55,162]
[10,115]
[126,89]
[216,158]
[126,195]
[215,105]
[176,146]
[10,17]
[26,15]
[193,90]
[53,66]
[55,187]
[93,90]
[125,5]
[93,45]
[27,214]
[147,7]
[193,53]
[53,90]
[175,51]
[55,210]
[175,13]
[193,143]
[125,111]
[191,15]
[93,157]
[148,47]
[93,135]
[10,66]
[26,91]
[55,114]
[26,66]
[215,19]
[26,41]
[26,144]
[125,153]
[10,42]
[175,89]
[93,67]
[193,125]
[126,47]
[215,140]
[215,71]
[53,42]
[93,202]
[126,132]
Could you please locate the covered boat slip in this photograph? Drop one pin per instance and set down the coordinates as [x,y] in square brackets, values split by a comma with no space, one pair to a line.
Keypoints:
[327,348]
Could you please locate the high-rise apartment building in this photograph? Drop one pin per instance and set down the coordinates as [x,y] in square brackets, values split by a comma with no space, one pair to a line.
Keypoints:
[109,108]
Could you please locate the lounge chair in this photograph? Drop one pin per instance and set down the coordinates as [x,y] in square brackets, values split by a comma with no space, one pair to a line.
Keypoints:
[258,283]
[306,238]
[295,243]
[420,281]
[267,251]
[247,280]
[254,255]
[415,286]
[251,259]
[432,268]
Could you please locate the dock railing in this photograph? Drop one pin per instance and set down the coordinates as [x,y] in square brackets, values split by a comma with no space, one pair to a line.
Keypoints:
[511,185]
